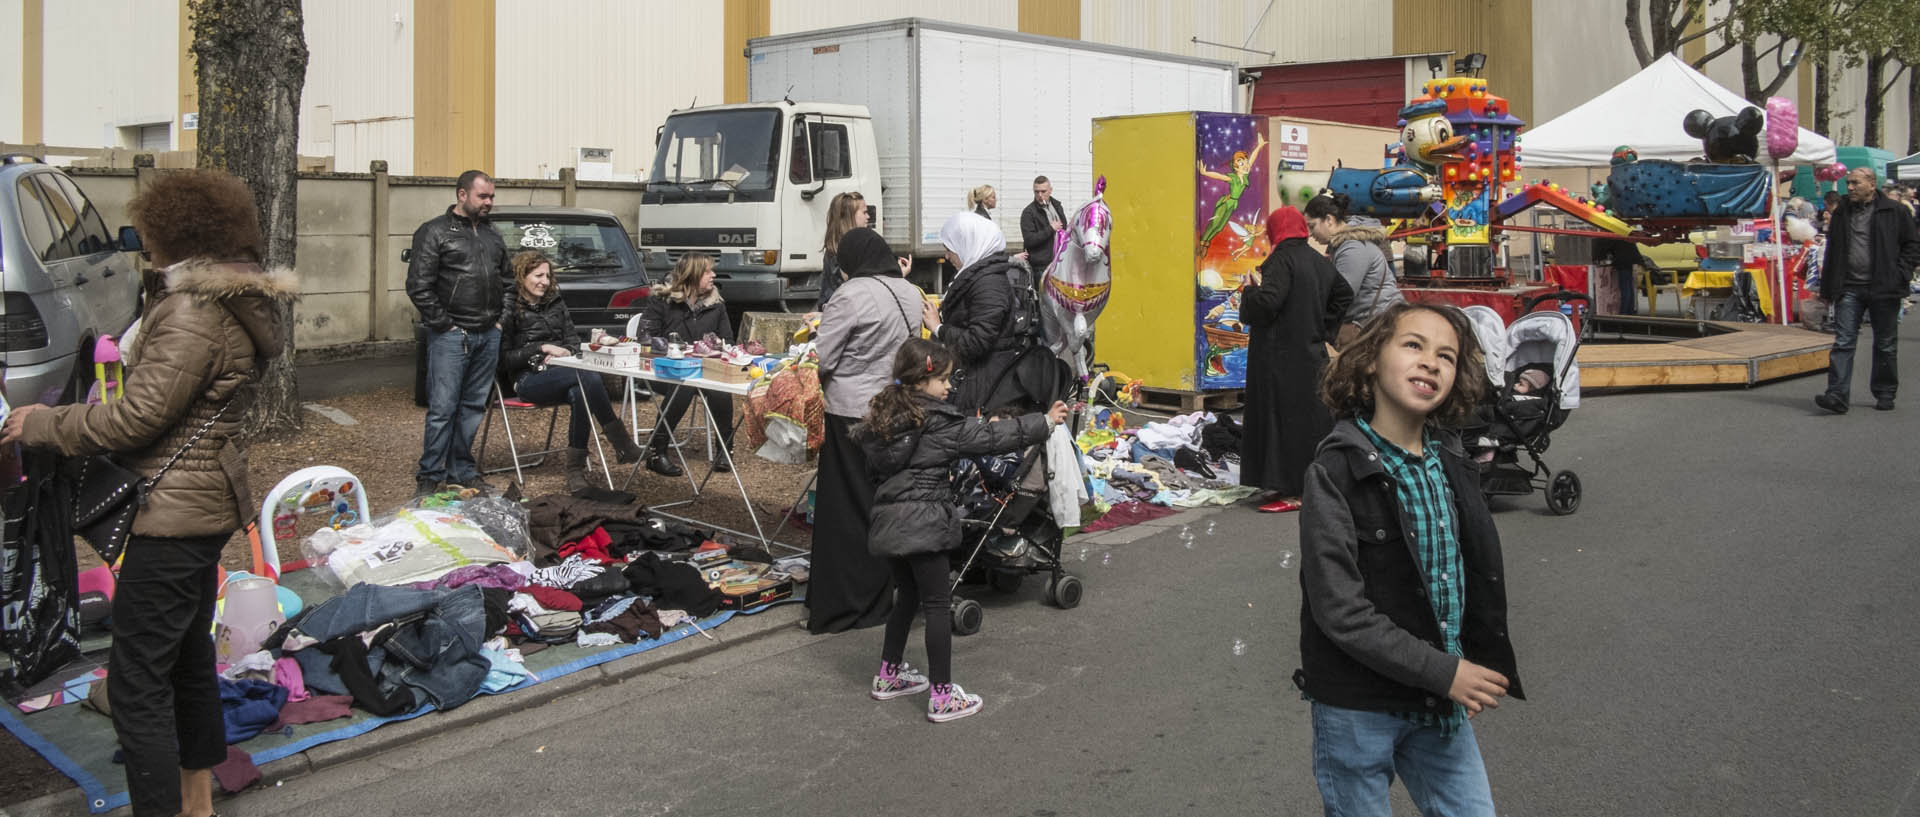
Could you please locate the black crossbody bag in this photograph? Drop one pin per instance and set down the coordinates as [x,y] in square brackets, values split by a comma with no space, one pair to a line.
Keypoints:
[107,495]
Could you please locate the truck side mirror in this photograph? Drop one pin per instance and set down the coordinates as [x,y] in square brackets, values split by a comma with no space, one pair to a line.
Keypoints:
[406,256]
[129,239]
[658,130]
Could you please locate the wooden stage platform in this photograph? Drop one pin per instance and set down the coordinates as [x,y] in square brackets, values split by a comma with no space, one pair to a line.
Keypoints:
[1682,352]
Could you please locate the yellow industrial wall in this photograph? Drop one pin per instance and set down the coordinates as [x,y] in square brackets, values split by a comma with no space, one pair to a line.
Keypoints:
[1051,18]
[1147,329]
[1500,29]
[745,20]
[453,84]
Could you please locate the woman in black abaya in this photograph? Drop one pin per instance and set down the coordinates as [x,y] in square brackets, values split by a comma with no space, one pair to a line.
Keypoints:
[1292,308]
[870,315]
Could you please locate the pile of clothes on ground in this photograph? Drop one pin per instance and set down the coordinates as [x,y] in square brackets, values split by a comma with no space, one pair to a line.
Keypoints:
[1185,461]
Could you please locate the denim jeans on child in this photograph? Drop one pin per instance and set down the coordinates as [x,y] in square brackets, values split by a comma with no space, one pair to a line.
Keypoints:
[1356,755]
[160,674]
[1847,314]
[459,372]
[584,392]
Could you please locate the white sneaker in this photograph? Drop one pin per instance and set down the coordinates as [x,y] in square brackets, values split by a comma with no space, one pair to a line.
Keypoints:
[959,704]
[907,681]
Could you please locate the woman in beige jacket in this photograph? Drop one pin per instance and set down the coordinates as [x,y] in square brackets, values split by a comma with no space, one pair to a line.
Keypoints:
[208,329]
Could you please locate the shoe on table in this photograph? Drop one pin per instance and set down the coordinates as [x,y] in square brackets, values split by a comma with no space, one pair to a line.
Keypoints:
[1831,403]
[1883,404]
[905,681]
[956,704]
[658,463]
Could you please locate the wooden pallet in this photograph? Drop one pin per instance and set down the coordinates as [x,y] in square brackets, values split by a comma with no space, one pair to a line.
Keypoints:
[1743,354]
[1186,402]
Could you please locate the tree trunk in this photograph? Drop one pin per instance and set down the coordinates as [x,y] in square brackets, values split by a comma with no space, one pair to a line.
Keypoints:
[1823,94]
[251,63]
[1876,111]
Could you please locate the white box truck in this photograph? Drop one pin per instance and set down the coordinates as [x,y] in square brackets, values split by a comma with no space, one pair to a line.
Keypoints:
[910,113]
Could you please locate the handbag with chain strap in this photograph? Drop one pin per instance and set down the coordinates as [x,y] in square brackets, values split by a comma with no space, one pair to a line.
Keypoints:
[107,495]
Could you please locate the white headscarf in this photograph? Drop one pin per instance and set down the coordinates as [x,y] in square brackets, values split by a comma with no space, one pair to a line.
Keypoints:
[972,238]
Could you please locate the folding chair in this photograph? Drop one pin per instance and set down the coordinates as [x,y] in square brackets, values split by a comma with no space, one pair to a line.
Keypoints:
[506,406]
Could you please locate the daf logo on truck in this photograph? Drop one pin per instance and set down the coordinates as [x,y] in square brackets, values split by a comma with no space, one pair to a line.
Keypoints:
[736,239]
[697,237]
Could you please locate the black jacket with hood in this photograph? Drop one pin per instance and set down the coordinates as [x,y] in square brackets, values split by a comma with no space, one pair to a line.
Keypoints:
[458,273]
[527,326]
[1368,636]
[671,314]
[916,509]
[975,316]
[1894,247]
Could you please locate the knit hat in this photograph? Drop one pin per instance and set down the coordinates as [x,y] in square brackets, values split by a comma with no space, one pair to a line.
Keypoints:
[1286,223]
[864,252]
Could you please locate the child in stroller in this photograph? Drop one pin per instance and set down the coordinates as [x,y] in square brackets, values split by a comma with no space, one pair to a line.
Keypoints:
[1536,386]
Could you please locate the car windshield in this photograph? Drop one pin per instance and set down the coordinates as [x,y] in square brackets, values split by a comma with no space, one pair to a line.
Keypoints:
[735,149]
[574,247]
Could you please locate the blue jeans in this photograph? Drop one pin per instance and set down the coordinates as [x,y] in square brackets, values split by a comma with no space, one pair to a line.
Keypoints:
[1356,754]
[584,392]
[459,372]
[1847,313]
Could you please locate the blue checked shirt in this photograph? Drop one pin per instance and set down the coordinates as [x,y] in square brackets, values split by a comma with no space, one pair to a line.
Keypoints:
[1421,489]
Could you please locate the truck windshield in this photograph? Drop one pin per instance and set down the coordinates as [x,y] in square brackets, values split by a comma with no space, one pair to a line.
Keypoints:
[727,151]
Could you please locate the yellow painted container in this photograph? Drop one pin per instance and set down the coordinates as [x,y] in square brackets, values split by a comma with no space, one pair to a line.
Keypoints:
[1189,196]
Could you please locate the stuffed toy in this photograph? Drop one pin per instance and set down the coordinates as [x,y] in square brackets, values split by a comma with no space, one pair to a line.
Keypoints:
[1727,139]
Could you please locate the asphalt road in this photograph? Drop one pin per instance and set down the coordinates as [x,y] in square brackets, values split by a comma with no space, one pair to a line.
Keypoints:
[1725,627]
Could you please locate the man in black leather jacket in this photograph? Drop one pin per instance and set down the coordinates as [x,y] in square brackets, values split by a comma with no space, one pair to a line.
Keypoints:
[459,280]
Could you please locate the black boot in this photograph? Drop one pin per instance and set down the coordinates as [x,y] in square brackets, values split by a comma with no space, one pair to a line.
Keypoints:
[577,470]
[624,448]
[659,463]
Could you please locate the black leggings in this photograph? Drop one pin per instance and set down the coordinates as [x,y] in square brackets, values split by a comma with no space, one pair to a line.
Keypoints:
[922,576]
[584,392]
[160,678]
[682,400]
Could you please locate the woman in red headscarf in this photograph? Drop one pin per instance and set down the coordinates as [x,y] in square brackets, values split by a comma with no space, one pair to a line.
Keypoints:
[1292,307]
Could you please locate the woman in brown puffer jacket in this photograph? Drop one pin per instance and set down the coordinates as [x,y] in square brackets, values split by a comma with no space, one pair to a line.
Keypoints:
[208,330]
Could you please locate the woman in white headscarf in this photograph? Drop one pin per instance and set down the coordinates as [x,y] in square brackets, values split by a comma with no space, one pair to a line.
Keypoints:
[974,314]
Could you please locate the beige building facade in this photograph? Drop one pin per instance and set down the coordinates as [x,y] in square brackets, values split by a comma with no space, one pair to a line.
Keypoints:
[524,88]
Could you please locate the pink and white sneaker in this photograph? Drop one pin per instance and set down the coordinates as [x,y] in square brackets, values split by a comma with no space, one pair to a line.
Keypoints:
[956,704]
[905,681]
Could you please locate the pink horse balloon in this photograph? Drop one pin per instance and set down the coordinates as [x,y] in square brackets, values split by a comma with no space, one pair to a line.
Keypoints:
[1075,286]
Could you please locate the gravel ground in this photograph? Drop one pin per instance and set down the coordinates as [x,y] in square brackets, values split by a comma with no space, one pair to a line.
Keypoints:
[382,450]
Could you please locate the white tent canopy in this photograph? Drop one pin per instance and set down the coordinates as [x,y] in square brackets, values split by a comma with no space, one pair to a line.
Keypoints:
[1645,112]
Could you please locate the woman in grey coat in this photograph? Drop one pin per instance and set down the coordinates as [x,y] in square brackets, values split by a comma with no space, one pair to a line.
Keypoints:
[870,315]
[1355,249]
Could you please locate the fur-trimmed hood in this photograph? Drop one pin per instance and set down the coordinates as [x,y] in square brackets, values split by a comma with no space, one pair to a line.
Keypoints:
[712,298]
[251,293]
[1371,233]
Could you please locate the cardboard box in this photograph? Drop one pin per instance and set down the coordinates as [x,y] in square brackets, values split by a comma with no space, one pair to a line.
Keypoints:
[721,371]
[761,593]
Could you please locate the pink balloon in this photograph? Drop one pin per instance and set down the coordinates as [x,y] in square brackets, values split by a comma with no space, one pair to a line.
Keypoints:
[1783,127]
[1830,173]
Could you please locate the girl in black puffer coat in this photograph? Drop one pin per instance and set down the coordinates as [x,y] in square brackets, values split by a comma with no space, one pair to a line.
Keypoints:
[912,437]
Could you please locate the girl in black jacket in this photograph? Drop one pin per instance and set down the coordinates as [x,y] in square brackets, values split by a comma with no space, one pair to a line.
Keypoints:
[535,327]
[691,308]
[912,437]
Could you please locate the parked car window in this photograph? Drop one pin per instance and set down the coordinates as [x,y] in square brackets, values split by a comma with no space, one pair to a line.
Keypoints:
[66,220]
[93,231]
[34,218]
[574,247]
[832,157]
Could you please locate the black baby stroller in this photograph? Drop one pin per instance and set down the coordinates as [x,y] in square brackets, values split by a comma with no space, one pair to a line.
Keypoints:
[1535,386]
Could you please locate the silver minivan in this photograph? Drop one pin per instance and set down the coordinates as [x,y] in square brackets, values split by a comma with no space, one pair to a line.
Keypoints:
[67,281]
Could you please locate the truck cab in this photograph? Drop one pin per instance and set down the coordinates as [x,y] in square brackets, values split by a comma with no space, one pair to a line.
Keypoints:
[750,185]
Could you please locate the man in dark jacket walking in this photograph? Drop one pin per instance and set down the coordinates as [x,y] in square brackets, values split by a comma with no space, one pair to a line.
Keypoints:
[1872,248]
[459,280]
[1039,223]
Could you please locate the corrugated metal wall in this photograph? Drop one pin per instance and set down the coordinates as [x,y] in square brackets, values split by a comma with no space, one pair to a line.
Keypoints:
[105,69]
[1295,30]
[1501,29]
[357,105]
[598,73]
[789,16]
[12,94]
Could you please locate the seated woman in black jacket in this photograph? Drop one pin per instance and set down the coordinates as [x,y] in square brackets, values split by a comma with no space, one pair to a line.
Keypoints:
[535,328]
[691,308]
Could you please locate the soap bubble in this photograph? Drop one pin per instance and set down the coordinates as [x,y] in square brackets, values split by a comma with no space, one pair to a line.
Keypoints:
[1239,647]
[1210,527]
[1286,559]
[1106,558]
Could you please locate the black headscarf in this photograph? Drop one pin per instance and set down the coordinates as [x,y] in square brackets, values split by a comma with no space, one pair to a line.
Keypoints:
[864,252]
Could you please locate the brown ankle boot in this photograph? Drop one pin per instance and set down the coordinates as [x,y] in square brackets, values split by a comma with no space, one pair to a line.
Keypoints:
[577,470]
[623,447]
